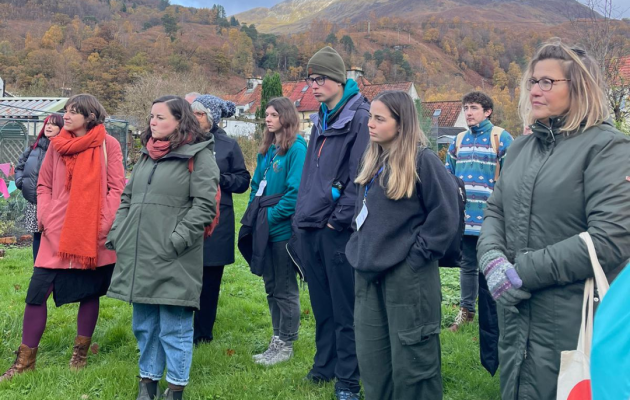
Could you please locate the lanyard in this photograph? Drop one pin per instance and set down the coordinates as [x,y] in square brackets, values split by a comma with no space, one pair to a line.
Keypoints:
[367,187]
[270,164]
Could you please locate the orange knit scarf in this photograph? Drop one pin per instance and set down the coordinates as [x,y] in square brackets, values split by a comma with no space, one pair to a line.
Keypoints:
[82,157]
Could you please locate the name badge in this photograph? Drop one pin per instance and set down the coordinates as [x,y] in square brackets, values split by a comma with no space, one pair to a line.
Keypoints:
[261,188]
[362,216]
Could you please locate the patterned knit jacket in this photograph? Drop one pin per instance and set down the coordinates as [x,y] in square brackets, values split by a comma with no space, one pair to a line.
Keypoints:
[475,163]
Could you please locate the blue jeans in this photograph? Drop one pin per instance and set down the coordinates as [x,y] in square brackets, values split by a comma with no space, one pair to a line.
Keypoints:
[469,273]
[165,339]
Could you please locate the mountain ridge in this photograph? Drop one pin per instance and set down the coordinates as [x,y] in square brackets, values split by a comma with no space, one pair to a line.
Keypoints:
[293,16]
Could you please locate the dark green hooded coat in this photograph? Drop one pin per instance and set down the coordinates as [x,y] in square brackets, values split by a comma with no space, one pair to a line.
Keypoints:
[552,188]
[158,231]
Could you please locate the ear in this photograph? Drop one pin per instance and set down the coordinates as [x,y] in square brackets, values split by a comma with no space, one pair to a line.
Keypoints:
[488,113]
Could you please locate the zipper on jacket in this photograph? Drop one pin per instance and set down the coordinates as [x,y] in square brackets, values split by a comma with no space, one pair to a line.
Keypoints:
[135,262]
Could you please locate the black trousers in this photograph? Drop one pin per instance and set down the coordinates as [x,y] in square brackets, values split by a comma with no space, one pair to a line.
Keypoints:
[330,281]
[488,328]
[207,313]
[37,238]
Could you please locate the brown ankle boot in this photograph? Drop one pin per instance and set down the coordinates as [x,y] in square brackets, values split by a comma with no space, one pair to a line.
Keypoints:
[173,392]
[79,352]
[464,316]
[25,361]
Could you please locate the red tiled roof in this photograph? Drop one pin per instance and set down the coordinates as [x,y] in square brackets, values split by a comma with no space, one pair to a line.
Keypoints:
[300,91]
[302,95]
[624,69]
[245,97]
[450,111]
[371,91]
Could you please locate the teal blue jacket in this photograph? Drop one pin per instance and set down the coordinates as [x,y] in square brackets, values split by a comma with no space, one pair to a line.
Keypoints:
[284,173]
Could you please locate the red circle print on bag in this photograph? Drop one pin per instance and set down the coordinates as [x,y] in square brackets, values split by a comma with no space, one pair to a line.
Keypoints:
[581,391]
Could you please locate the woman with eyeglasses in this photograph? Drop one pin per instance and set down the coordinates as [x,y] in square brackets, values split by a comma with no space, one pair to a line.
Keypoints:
[569,176]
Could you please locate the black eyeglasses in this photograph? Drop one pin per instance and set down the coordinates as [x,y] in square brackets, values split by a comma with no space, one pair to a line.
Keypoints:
[320,80]
[545,84]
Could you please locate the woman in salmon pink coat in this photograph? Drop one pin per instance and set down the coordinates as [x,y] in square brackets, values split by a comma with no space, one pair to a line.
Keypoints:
[78,192]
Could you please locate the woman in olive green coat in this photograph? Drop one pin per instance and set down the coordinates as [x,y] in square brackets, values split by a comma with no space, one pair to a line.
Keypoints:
[568,177]
[158,238]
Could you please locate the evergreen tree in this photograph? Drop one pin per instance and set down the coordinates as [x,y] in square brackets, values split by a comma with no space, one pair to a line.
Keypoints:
[271,87]
[348,44]
[170,25]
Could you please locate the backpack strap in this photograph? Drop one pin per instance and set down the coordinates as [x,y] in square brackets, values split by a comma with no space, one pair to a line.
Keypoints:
[458,142]
[495,136]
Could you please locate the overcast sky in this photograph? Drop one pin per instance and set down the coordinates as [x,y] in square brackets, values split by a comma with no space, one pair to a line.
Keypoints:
[235,7]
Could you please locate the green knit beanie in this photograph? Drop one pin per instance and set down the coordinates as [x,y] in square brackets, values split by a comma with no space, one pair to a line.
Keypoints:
[327,62]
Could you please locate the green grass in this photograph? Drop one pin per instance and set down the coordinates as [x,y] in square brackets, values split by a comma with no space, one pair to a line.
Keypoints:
[222,369]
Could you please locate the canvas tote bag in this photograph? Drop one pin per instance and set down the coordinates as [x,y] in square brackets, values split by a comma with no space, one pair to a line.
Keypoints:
[574,380]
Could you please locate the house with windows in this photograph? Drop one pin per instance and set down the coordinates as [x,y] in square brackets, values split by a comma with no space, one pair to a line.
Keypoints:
[447,120]
[248,100]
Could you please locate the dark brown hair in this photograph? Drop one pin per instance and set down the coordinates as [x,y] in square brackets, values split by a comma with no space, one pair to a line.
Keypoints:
[290,121]
[480,98]
[188,125]
[86,104]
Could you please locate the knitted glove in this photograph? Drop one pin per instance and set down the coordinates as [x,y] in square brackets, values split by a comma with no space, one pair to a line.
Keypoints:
[503,280]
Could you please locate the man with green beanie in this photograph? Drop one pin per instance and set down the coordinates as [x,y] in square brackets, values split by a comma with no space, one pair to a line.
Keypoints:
[323,217]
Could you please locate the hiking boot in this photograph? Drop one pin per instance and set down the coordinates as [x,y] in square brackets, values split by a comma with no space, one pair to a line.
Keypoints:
[464,316]
[25,361]
[284,352]
[270,350]
[173,392]
[148,389]
[79,352]
[344,394]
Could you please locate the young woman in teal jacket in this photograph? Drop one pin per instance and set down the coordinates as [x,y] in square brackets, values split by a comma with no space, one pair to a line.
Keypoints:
[279,171]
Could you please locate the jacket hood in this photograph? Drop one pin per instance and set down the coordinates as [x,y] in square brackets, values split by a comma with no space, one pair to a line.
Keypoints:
[300,141]
[43,143]
[552,132]
[345,115]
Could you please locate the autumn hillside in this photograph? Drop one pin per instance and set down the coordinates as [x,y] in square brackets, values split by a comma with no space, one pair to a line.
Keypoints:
[296,15]
[128,52]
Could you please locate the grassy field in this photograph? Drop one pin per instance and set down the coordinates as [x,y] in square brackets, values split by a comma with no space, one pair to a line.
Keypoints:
[222,369]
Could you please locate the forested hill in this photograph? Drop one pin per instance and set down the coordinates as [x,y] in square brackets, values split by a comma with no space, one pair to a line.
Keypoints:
[120,49]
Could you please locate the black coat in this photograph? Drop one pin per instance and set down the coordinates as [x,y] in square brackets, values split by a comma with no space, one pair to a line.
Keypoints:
[254,234]
[27,169]
[218,249]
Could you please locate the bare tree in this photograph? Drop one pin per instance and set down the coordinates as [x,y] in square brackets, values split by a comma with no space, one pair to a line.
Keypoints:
[140,95]
[605,37]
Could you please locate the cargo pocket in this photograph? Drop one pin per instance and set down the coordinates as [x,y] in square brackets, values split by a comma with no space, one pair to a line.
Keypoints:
[421,351]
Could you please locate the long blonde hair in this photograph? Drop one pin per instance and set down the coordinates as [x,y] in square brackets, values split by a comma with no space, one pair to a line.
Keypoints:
[587,99]
[399,161]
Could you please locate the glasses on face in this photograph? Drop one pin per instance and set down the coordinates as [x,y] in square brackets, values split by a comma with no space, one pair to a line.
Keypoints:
[320,80]
[545,84]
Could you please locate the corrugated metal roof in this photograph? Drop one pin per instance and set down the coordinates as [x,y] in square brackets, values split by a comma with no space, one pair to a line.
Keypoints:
[30,107]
